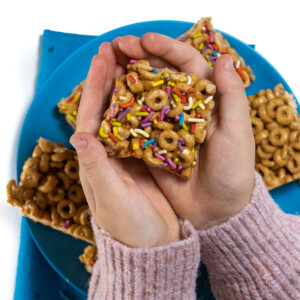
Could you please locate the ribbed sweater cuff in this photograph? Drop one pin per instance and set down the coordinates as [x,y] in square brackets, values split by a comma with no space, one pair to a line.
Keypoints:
[166,272]
[254,255]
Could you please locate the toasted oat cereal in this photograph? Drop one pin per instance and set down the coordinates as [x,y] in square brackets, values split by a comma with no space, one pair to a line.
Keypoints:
[159,116]
[88,258]
[50,192]
[276,128]
[212,44]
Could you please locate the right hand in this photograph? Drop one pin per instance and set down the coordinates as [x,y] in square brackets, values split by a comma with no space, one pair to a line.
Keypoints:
[223,178]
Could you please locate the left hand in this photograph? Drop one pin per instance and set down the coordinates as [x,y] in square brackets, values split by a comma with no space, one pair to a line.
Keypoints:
[122,195]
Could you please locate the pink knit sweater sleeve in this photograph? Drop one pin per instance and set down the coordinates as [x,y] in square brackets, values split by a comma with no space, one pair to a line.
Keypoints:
[256,254]
[167,272]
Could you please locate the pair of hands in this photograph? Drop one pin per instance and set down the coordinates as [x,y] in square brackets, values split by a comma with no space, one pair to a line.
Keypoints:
[139,205]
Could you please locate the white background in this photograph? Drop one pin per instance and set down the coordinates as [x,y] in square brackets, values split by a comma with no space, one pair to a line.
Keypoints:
[272,25]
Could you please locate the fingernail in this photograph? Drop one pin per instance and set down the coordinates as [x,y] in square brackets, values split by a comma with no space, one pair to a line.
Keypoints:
[79,144]
[228,66]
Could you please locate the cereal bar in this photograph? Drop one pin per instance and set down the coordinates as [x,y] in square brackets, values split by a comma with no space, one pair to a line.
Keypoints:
[212,44]
[50,192]
[159,116]
[276,128]
[69,106]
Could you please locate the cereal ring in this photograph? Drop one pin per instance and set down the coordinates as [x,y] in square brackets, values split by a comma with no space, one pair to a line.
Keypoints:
[272,125]
[278,136]
[293,164]
[162,125]
[64,179]
[156,99]
[37,152]
[261,136]
[262,112]
[189,139]
[270,95]
[45,145]
[279,90]
[83,231]
[48,184]
[31,164]
[136,147]
[150,159]
[168,140]
[84,217]
[272,107]
[72,169]
[295,136]
[56,164]
[55,220]
[75,193]
[281,156]
[66,209]
[295,145]
[176,110]
[40,199]
[56,195]
[79,210]
[267,147]
[285,115]
[186,157]
[295,125]
[134,83]
[29,178]
[59,157]
[30,208]
[44,163]
[200,129]
[263,155]
[257,125]
[263,170]
[258,101]
[187,172]
[268,163]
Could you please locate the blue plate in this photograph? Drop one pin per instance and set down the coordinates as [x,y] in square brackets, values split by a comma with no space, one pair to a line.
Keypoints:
[43,120]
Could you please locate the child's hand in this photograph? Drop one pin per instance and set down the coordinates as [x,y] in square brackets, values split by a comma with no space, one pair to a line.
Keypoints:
[121,193]
[223,181]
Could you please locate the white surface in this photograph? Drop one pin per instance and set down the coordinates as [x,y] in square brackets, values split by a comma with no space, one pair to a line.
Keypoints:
[271,25]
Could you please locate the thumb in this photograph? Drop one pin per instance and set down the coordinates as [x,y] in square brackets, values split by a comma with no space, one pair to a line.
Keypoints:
[233,103]
[94,166]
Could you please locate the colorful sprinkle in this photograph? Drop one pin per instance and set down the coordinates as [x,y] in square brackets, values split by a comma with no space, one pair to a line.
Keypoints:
[148,117]
[128,104]
[196,120]
[190,105]
[161,152]
[148,143]
[208,99]
[116,90]
[153,145]
[69,116]
[134,134]
[70,99]
[193,127]
[184,38]
[117,124]
[196,104]
[197,35]
[168,88]
[159,82]
[128,117]
[176,160]
[162,113]
[177,99]
[133,61]
[180,146]
[67,224]
[142,132]
[181,118]
[171,163]
[141,113]
[135,146]
[179,168]
[165,164]
[184,126]
[159,156]
[147,124]
[131,78]
[113,137]
[123,114]
[211,35]
[155,71]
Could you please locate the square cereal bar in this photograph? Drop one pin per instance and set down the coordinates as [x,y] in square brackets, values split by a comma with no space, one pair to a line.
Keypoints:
[158,115]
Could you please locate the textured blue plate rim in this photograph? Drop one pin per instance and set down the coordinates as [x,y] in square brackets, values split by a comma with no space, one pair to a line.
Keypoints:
[69,59]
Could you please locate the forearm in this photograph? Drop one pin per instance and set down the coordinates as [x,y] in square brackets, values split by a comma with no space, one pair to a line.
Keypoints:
[167,272]
[256,254]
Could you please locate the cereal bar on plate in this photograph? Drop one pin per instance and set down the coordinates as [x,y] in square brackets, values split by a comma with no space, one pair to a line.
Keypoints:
[50,192]
[276,128]
[212,44]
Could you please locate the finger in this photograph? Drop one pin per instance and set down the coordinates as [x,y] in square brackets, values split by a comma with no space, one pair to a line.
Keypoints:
[131,47]
[107,52]
[90,108]
[233,104]
[181,55]
[121,57]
